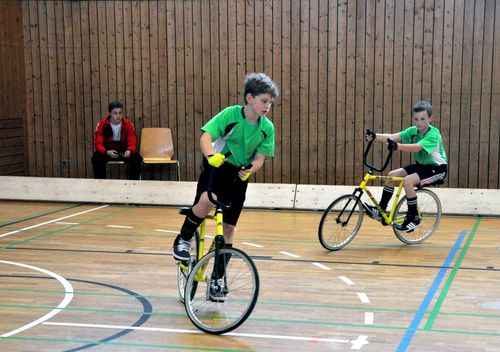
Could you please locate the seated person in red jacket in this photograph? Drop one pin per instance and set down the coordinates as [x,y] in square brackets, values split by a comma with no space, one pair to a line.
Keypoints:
[114,139]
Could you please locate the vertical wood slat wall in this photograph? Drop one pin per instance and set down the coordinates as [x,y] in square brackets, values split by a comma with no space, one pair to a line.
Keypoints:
[342,66]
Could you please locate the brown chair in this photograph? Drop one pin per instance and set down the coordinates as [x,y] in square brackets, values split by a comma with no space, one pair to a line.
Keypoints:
[157,147]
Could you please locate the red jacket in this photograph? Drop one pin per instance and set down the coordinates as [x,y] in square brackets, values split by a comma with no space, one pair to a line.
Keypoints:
[103,137]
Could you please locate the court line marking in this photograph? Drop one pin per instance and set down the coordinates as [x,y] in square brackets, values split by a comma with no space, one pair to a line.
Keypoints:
[52,221]
[68,296]
[369,317]
[169,231]
[363,297]
[321,266]
[290,254]
[120,226]
[253,245]
[346,280]
[186,331]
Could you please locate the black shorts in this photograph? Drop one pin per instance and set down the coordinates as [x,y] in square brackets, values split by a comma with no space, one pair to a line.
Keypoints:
[228,187]
[428,174]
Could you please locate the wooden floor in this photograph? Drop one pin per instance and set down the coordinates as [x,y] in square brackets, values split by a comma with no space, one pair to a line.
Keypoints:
[374,295]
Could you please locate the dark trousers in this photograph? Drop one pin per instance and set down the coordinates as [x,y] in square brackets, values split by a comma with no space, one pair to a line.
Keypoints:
[134,163]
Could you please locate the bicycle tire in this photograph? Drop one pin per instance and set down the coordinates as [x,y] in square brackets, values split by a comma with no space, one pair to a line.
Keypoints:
[340,222]
[429,208]
[242,281]
[181,274]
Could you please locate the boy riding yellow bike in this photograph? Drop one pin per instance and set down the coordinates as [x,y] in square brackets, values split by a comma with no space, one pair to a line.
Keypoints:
[426,145]
[248,134]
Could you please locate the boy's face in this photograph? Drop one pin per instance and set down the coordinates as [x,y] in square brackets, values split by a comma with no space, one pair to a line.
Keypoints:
[422,121]
[260,104]
[116,116]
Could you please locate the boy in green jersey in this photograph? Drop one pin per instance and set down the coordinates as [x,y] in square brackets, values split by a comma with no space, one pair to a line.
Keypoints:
[426,144]
[248,135]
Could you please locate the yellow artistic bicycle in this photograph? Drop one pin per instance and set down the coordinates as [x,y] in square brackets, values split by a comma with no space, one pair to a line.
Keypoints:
[233,269]
[342,219]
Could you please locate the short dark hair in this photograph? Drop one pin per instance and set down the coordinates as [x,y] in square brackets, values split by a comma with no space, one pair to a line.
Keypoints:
[422,105]
[259,83]
[114,105]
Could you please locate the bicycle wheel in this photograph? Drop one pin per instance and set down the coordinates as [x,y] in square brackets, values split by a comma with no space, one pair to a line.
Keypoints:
[429,210]
[340,222]
[182,275]
[241,287]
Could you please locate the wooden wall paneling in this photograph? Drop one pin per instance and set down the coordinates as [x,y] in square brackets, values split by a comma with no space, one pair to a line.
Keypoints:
[332,92]
[350,94]
[30,157]
[372,121]
[267,55]
[428,53]
[154,120]
[241,68]
[258,20]
[285,94]
[172,84]
[466,134]
[250,36]
[486,96]
[103,52]
[45,89]
[418,51]
[312,117]
[118,36]
[494,165]
[191,149]
[232,52]
[304,118]
[69,93]
[180,77]
[322,85]
[146,63]
[223,62]
[445,121]
[340,137]
[295,137]
[111,51]
[215,70]
[54,119]
[128,52]
[388,79]
[87,98]
[61,89]
[456,90]
[361,121]
[408,56]
[206,63]
[137,52]
[476,43]
[197,91]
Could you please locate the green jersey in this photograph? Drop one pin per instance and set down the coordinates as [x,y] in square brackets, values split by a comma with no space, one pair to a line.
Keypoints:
[432,152]
[230,131]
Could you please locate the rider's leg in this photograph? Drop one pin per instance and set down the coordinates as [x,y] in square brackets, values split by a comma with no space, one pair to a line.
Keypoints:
[388,189]
[409,184]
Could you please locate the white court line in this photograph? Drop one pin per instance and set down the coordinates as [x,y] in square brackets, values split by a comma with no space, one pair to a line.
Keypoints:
[253,244]
[369,318]
[346,280]
[363,297]
[51,221]
[120,227]
[67,223]
[169,231]
[184,331]
[321,266]
[290,254]
[67,298]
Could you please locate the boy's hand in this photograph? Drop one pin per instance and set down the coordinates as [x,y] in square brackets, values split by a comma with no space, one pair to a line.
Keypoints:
[245,173]
[392,146]
[370,135]
[216,160]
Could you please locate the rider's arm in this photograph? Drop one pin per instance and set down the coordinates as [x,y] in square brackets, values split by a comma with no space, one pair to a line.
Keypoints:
[382,137]
[206,144]
[411,148]
[258,162]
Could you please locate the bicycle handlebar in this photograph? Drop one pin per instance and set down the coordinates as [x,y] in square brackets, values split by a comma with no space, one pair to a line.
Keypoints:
[210,184]
[371,167]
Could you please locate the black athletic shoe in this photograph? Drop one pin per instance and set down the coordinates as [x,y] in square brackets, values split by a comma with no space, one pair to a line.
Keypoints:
[411,223]
[217,292]
[375,214]
[181,248]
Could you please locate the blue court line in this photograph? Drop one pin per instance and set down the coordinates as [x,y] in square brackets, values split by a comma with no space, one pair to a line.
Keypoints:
[410,332]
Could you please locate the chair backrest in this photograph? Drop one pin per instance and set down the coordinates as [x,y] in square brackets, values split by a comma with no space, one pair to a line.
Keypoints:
[157,143]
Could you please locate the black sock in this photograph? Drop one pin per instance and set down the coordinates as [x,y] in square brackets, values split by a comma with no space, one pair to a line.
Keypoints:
[386,196]
[191,223]
[223,260]
[412,206]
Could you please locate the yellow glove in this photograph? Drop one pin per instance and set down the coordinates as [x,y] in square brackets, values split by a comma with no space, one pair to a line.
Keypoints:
[216,160]
[246,175]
